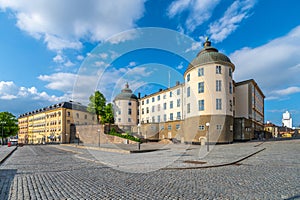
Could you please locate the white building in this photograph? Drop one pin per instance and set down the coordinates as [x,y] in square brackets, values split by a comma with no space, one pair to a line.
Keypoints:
[287,120]
[202,109]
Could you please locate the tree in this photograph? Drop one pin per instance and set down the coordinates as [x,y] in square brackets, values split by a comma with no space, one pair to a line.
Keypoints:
[97,106]
[109,114]
[8,123]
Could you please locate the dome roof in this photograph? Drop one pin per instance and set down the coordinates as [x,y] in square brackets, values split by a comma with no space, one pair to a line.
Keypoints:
[126,94]
[208,55]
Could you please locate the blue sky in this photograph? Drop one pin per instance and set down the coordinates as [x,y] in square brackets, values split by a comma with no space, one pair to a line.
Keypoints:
[46,48]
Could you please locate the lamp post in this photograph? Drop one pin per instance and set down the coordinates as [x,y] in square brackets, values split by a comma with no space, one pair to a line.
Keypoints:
[2,122]
[78,138]
[99,138]
[138,128]
[207,125]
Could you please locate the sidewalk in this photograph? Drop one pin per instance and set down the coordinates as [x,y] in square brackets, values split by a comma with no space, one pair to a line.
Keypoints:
[153,156]
[5,152]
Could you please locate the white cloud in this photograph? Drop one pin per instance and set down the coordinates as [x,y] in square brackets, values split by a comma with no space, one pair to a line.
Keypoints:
[195,46]
[58,59]
[235,14]
[274,65]
[180,66]
[80,57]
[9,91]
[199,11]
[69,64]
[61,24]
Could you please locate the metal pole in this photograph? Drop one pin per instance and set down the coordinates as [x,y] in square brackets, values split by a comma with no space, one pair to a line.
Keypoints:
[207,125]
[99,138]
[2,134]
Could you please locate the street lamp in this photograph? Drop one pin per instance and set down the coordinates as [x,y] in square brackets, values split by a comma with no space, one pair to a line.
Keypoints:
[78,137]
[2,122]
[207,125]
[138,128]
[99,138]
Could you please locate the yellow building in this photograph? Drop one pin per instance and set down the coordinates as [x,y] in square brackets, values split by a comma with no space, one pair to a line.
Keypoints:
[53,123]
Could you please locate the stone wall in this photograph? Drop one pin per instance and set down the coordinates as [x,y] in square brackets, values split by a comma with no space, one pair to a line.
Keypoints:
[95,134]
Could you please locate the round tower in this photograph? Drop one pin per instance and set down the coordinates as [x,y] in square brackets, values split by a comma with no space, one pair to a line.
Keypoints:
[126,109]
[209,97]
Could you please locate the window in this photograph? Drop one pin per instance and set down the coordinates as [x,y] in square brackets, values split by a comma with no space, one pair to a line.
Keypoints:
[171,104]
[230,105]
[153,109]
[85,116]
[218,85]
[142,102]
[219,127]
[129,111]
[171,116]
[158,97]
[147,110]
[129,103]
[230,72]
[158,107]
[119,119]
[178,91]
[188,92]
[170,94]
[201,105]
[158,118]
[165,117]
[147,101]
[129,119]
[164,97]
[188,77]
[153,99]
[142,111]
[178,115]
[219,104]
[165,106]
[68,121]
[169,127]
[230,88]
[200,87]
[77,115]
[119,112]
[153,119]
[218,70]
[177,126]
[200,71]
[68,114]
[188,108]
[178,102]
[201,127]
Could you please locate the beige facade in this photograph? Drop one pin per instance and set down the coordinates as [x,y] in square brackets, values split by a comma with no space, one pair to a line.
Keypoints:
[53,123]
[249,106]
[207,107]
[125,109]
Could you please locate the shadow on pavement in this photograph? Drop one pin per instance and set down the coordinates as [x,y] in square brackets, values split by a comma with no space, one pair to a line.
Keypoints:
[6,179]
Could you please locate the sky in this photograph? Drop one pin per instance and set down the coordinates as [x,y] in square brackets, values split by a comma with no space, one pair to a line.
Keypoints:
[54,51]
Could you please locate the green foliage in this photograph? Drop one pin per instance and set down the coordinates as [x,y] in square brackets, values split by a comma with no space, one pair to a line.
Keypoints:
[9,123]
[125,136]
[109,114]
[97,106]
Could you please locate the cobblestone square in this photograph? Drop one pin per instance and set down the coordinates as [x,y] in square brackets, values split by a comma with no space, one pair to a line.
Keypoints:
[48,172]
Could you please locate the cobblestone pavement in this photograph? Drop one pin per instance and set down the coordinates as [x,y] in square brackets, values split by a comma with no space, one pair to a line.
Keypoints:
[46,172]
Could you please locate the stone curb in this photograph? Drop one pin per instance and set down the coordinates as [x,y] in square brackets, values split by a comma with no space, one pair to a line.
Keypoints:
[216,165]
[113,150]
[9,154]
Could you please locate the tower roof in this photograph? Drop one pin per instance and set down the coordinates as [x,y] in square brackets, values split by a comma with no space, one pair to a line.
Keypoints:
[126,94]
[209,54]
